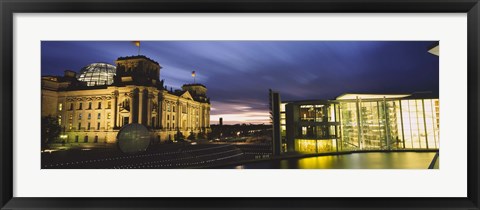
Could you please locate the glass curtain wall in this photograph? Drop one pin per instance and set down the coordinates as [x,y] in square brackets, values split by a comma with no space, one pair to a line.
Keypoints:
[372,125]
[394,125]
[349,126]
[389,124]
[421,123]
[315,134]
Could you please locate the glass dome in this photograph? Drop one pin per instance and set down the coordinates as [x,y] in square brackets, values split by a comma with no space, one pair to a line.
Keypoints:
[97,74]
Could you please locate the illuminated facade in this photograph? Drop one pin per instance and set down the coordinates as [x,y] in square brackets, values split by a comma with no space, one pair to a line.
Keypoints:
[361,122]
[92,107]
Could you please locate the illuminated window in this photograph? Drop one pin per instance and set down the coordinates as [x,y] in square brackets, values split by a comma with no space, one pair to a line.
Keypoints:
[125,120]
[154,106]
[315,146]
[70,126]
[108,125]
[109,115]
[59,119]
[70,117]
[184,108]
[60,107]
[126,104]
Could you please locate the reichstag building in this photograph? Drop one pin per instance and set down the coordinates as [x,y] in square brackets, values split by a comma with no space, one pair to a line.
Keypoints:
[93,105]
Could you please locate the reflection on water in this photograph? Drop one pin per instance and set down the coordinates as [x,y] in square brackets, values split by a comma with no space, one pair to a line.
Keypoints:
[376,160]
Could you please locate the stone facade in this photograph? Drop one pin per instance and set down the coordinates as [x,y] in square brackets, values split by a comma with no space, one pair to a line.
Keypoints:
[96,114]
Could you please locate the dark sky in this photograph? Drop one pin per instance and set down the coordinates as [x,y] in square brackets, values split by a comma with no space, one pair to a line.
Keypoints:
[238,74]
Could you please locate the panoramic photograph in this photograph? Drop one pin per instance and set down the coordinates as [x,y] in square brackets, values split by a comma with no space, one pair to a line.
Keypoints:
[137,104]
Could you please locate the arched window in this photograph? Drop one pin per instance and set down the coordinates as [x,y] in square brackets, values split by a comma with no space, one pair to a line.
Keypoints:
[126,104]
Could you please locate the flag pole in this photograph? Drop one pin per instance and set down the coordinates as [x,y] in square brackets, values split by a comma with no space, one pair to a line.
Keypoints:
[193,75]
[137,44]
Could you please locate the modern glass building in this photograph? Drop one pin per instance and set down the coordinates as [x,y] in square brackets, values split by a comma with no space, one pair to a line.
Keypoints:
[354,122]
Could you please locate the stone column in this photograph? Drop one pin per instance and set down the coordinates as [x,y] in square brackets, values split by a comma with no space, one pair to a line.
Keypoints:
[132,108]
[140,107]
[189,124]
[177,115]
[208,118]
[115,110]
[159,111]
[200,118]
[149,109]
[116,117]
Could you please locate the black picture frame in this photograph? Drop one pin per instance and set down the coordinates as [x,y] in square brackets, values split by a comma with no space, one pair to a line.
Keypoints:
[10,7]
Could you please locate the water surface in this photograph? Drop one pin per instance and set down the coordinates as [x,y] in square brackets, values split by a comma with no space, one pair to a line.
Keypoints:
[374,160]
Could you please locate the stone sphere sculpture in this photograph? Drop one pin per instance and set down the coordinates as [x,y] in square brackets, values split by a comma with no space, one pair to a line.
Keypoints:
[133,138]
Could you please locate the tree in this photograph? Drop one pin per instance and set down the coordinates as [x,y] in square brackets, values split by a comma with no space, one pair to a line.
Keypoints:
[201,135]
[211,135]
[191,136]
[50,129]
[179,135]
